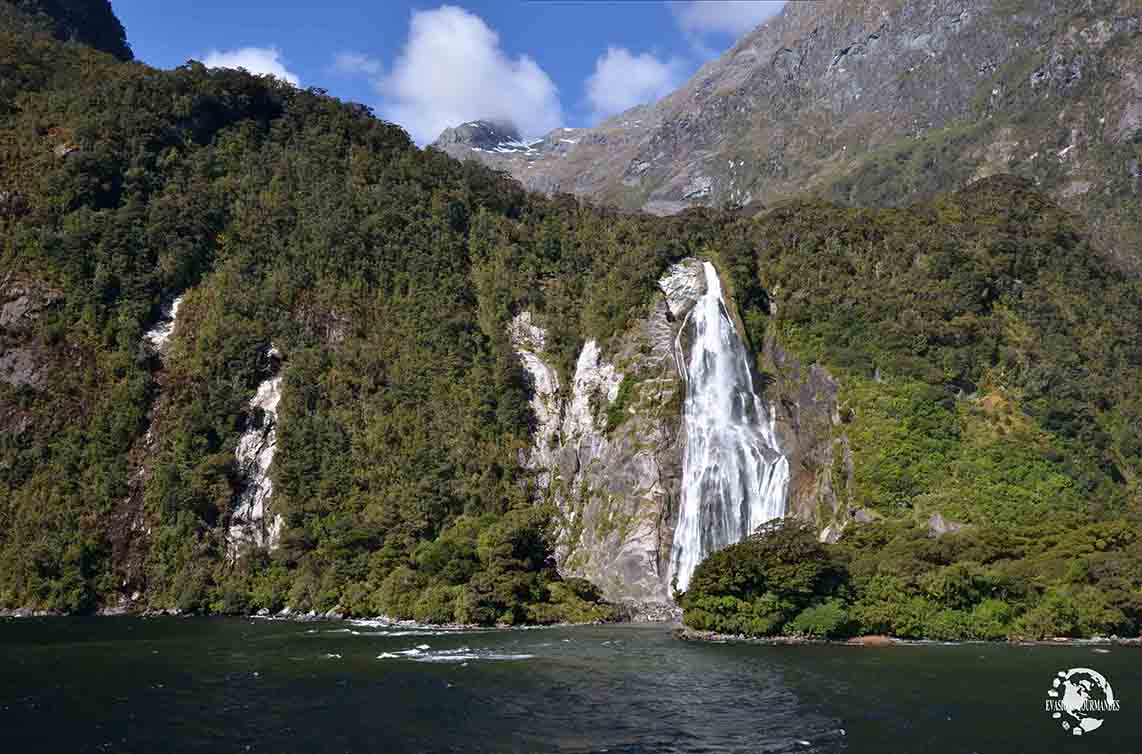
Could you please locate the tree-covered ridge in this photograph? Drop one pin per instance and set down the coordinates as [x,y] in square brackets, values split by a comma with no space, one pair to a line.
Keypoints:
[384,274]
[89,22]
[981,325]
[990,366]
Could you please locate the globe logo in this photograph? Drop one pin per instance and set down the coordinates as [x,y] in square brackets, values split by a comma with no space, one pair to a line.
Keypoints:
[1079,698]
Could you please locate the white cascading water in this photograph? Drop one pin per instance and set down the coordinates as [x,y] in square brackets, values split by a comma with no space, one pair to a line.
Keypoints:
[255,454]
[734,477]
[159,335]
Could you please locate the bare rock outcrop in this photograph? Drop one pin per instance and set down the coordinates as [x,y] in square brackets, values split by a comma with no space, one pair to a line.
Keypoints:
[607,449]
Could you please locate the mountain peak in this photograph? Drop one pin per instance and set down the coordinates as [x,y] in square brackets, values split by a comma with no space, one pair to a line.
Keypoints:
[485,136]
[89,22]
[881,103]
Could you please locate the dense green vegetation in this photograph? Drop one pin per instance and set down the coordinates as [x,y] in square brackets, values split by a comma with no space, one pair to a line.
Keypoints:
[89,22]
[989,365]
[1031,581]
[384,274]
[989,360]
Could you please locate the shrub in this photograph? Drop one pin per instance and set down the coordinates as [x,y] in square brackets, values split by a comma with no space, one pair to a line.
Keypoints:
[827,620]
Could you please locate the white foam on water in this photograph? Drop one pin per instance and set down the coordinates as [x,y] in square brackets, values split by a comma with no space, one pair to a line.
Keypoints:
[461,655]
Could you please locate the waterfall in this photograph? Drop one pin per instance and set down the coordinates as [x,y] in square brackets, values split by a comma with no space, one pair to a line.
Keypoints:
[159,335]
[734,477]
[255,454]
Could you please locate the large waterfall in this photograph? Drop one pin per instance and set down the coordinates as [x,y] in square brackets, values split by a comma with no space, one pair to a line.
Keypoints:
[734,477]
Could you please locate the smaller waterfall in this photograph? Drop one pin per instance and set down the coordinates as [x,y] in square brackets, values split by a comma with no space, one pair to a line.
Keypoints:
[159,335]
[255,453]
[734,477]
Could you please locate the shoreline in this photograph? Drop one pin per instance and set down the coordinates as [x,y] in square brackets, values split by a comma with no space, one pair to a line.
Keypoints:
[677,630]
[372,621]
[683,633]
[625,612]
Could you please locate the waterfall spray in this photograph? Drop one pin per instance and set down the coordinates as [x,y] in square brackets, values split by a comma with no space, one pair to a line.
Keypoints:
[734,477]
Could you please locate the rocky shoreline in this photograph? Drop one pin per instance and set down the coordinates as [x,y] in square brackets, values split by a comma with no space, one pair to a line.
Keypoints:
[689,634]
[626,612]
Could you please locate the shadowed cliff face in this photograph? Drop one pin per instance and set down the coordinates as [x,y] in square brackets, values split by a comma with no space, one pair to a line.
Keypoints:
[883,102]
[89,22]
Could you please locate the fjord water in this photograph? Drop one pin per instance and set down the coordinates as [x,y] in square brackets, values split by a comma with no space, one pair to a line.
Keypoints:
[733,476]
[228,685]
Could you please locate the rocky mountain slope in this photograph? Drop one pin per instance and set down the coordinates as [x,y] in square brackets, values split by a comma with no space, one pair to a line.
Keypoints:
[258,351]
[884,102]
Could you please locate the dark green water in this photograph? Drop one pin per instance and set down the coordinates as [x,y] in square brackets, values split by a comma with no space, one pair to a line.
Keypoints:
[198,685]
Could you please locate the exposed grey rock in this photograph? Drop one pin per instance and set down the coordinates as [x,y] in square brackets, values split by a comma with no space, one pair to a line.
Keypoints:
[529,340]
[939,526]
[810,429]
[252,524]
[483,135]
[683,284]
[22,302]
[20,368]
[648,612]
[15,310]
[616,486]
[813,93]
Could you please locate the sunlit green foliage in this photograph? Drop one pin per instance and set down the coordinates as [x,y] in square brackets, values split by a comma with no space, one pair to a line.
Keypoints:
[1032,581]
[988,357]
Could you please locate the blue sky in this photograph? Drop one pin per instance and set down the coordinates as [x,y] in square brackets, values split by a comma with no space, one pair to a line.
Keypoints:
[541,64]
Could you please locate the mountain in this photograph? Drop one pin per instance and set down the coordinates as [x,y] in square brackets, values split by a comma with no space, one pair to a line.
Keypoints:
[89,22]
[259,352]
[885,102]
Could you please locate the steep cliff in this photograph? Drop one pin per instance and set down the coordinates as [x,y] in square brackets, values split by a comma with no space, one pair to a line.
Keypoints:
[884,102]
[608,449]
[611,448]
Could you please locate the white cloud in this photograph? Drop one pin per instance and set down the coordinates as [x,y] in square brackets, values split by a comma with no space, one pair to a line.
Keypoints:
[734,17]
[356,63]
[453,70]
[622,80]
[259,60]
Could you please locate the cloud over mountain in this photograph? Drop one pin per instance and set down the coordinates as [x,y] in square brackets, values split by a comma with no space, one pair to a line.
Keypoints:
[622,80]
[726,16]
[453,69]
[259,60]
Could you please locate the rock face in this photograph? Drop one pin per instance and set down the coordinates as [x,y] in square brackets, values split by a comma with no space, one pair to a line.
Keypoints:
[608,452]
[23,363]
[608,448]
[251,523]
[850,99]
[484,136]
[528,340]
[810,427]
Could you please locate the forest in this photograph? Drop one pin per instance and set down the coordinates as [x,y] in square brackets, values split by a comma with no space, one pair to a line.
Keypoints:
[989,358]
